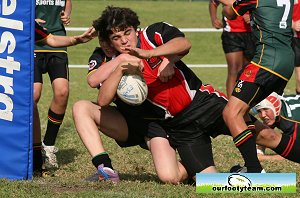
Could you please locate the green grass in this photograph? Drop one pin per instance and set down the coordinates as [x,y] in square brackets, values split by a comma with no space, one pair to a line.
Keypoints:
[134,164]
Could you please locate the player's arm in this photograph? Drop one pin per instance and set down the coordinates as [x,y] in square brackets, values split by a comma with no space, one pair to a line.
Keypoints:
[65,41]
[177,46]
[109,87]
[65,15]
[102,73]
[233,8]
[213,7]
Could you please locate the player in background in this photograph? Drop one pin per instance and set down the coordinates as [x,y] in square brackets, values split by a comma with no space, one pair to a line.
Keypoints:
[296,42]
[53,61]
[269,70]
[237,41]
[42,36]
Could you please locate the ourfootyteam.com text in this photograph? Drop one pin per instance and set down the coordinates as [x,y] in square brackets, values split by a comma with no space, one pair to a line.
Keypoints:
[245,188]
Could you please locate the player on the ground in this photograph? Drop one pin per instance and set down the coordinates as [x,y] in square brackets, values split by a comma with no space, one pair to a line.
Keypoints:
[282,113]
[189,118]
[269,70]
[237,41]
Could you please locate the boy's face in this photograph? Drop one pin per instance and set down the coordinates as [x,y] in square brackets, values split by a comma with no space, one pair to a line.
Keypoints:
[267,116]
[124,38]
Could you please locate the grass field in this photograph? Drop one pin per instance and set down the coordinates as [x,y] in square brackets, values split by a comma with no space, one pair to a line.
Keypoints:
[134,164]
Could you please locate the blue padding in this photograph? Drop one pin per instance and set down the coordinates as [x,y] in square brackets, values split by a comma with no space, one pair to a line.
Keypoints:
[16,88]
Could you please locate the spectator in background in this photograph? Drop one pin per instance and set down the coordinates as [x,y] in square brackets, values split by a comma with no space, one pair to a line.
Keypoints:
[237,42]
[296,42]
[53,61]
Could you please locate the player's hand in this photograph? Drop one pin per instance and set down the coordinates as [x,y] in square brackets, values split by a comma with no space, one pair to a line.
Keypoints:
[226,2]
[41,22]
[86,36]
[296,25]
[217,23]
[65,18]
[166,70]
[247,18]
[140,53]
[132,67]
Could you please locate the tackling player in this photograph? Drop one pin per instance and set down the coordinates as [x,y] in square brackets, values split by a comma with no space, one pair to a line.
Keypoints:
[269,70]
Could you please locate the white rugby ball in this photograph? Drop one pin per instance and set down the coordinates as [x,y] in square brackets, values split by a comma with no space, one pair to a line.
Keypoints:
[239,180]
[132,89]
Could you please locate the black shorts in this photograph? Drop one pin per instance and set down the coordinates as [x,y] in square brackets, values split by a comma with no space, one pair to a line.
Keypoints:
[53,63]
[296,48]
[255,84]
[198,122]
[239,41]
[139,124]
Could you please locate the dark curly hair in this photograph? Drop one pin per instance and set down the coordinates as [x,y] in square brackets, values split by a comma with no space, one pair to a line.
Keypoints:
[115,18]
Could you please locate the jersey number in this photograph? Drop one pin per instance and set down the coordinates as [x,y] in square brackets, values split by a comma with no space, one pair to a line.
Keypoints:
[281,3]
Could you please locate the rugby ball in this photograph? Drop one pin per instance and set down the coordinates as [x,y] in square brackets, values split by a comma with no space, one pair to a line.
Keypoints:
[132,89]
[239,180]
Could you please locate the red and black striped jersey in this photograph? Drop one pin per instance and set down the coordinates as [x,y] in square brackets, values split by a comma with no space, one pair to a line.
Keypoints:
[40,33]
[179,91]
[236,25]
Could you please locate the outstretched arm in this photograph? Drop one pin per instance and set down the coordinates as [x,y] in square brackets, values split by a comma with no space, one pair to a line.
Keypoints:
[65,41]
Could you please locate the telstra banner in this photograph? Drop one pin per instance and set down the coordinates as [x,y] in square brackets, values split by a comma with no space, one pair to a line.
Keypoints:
[16,88]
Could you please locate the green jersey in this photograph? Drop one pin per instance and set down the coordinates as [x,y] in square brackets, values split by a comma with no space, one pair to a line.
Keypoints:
[50,12]
[289,119]
[271,22]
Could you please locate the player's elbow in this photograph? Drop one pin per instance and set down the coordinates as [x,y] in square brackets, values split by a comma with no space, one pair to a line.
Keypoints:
[93,83]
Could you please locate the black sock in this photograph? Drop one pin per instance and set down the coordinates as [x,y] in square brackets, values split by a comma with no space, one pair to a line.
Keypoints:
[37,156]
[289,148]
[102,158]
[245,142]
[54,122]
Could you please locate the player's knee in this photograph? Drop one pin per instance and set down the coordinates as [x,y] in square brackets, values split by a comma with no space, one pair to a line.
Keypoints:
[266,135]
[169,179]
[62,93]
[79,108]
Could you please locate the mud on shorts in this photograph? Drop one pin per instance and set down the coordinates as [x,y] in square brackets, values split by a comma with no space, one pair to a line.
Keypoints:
[53,63]
[239,41]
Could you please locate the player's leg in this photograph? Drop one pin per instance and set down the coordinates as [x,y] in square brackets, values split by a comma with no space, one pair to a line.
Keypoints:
[37,90]
[243,138]
[287,146]
[57,67]
[296,48]
[88,118]
[297,75]
[195,161]
[234,65]
[167,166]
